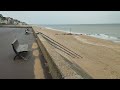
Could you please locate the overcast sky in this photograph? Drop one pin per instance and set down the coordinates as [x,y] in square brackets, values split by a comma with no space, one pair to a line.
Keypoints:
[64,17]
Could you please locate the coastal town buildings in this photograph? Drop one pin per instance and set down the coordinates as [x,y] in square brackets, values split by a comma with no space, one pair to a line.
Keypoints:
[10,21]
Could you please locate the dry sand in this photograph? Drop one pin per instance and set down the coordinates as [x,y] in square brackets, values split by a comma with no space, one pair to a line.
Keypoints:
[101,58]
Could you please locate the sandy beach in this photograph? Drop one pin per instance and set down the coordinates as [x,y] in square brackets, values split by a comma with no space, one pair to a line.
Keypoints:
[99,58]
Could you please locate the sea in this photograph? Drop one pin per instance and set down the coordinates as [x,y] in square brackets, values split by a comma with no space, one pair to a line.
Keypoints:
[103,31]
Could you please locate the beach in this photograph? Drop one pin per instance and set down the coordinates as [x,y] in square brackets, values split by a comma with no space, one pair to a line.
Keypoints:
[102,31]
[98,58]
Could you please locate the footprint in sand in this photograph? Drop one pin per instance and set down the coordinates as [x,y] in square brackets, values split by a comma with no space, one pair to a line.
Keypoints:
[36,53]
[34,45]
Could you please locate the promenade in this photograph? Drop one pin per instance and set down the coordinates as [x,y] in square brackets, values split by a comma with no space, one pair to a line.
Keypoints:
[33,68]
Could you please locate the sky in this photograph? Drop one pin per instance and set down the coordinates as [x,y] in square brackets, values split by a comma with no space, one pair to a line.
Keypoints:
[64,17]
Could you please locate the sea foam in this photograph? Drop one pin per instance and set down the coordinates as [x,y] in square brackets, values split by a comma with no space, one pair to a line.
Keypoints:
[104,36]
[101,36]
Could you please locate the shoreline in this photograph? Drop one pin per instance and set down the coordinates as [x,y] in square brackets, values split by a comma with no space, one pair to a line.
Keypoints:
[89,35]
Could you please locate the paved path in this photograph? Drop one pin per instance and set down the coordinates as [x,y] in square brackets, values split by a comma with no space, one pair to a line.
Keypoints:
[34,68]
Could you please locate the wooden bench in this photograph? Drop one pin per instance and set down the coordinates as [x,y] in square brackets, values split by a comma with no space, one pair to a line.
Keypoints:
[19,49]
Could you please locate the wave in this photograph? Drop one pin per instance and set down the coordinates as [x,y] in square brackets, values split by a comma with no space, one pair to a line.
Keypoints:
[105,36]
[57,29]
[62,30]
[101,36]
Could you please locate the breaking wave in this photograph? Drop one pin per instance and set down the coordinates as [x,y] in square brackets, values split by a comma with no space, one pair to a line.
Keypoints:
[101,36]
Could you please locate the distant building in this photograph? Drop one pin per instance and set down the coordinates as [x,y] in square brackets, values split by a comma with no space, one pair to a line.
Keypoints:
[20,23]
[3,20]
[10,21]
[23,23]
[16,22]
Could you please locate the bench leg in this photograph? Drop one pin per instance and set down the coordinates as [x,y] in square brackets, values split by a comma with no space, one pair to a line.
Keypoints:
[23,57]
[20,56]
[15,57]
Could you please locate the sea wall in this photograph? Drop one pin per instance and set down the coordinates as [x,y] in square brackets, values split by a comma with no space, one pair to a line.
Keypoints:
[15,26]
[58,67]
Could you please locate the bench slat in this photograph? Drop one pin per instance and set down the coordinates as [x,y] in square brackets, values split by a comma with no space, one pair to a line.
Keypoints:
[22,48]
[19,48]
[15,43]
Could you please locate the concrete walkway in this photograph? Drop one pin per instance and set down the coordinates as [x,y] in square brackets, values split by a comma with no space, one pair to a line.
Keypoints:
[33,68]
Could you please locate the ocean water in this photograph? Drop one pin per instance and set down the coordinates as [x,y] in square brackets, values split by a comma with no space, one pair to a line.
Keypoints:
[103,31]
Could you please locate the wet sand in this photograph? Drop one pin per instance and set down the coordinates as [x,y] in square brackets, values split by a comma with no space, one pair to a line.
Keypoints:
[101,58]
[33,68]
